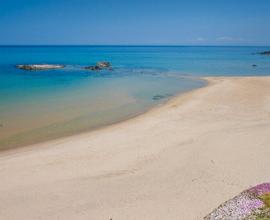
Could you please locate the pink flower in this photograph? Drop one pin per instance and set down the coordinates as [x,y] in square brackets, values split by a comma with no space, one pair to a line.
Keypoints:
[260,189]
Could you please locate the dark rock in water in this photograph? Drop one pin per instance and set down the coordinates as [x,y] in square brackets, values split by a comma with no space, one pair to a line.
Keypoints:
[40,66]
[94,68]
[99,66]
[251,204]
[265,53]
[104,64]
[158,97]
[254,65]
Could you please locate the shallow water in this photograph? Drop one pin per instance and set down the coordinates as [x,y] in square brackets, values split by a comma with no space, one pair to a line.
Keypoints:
[41,105]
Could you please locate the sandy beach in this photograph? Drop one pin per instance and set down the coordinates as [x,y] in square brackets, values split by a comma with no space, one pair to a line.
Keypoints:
[177,161]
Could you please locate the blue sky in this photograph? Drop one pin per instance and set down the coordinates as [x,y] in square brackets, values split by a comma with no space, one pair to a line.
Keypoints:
[135,22]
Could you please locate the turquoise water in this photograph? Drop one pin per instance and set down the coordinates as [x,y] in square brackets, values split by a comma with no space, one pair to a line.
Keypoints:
[41,105]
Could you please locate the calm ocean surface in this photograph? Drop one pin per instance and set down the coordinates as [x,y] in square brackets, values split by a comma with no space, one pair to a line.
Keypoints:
[42,105]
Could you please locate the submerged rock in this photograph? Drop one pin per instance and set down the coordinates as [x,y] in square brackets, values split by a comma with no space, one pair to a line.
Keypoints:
[251,204]
[265,53]
[254,65]
[40,66]
[92,68]
[99,66]
[158,97]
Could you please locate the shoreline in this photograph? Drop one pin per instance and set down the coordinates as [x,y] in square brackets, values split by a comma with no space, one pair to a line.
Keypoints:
[18,147]
[208,144]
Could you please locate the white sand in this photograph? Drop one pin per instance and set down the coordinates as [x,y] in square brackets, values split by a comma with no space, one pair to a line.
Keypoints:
[178,161]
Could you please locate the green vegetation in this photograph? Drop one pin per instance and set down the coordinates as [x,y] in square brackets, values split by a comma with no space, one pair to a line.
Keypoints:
[266,199]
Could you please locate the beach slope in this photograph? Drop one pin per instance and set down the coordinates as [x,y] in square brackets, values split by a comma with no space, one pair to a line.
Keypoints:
[178,161]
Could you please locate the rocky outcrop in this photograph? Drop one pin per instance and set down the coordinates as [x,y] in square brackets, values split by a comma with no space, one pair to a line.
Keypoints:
[267,53]
[104,64]
[99,66]
[251,204]
[94,68]
[40,66]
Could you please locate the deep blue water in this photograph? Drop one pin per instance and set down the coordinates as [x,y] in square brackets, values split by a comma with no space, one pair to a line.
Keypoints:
[210,60]
[48,104]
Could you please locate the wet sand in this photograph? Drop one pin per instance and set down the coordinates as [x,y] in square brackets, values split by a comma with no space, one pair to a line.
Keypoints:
[178,161]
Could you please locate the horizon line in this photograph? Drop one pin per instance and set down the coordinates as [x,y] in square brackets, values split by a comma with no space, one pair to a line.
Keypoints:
[126,45]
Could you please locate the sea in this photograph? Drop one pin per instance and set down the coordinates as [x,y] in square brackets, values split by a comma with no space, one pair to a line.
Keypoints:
[37,106]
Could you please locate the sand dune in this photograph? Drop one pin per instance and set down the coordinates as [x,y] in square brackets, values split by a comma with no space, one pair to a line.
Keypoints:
[178,161]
